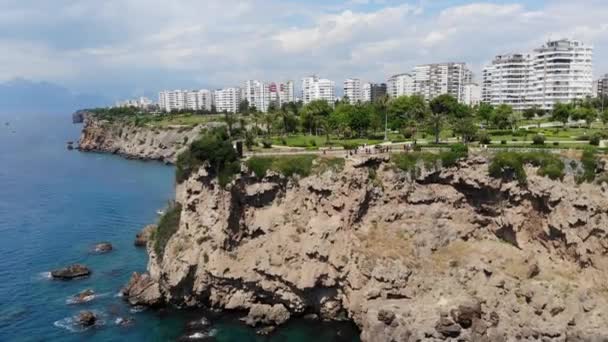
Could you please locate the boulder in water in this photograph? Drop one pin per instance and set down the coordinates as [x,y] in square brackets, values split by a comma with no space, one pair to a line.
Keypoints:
[71,272]
[141,239]
[86,318]
[143,290]
[125,321]
[84,296]
[103,247]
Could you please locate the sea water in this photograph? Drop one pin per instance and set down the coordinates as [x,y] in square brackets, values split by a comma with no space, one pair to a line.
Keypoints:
[55,205]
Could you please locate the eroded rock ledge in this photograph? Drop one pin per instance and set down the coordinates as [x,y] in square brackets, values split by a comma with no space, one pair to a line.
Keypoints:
[136,142]
[451,255]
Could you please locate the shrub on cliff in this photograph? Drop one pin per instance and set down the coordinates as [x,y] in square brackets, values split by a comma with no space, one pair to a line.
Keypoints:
[508,165]
[511,165]
[590,162]
[167,226]
[215,152]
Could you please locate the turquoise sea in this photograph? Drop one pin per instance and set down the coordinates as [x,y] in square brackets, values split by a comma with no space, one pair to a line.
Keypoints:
[55,205]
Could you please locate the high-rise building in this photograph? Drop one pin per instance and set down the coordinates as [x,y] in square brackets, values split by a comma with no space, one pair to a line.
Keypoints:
[141,103]
[185,99]
[601,86]
[227,100]
[506,81]
[199,99]
[432,80]
[472,94]
[352,90]
[286,92]
[374,91]
[558,72]
[257,94]
[170,100]
[400,85]
[314,88]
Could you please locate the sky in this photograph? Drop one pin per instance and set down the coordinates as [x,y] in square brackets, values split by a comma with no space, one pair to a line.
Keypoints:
[127,48]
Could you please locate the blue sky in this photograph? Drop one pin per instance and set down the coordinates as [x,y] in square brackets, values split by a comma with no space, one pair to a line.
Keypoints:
[125,48]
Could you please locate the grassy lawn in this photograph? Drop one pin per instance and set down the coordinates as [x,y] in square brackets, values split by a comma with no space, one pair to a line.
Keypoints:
[313,141]
[551,134]
[189,120]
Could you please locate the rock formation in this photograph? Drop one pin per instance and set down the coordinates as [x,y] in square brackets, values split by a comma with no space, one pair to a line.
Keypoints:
[141,239]
[103,247]
[132,141]
[71,272]
[86,318]
[447,255]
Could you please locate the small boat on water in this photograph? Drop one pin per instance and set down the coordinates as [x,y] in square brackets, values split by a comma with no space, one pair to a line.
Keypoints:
[160,212]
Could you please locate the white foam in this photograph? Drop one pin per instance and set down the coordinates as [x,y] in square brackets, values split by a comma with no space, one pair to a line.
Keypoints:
[74,300]
[44,275]
[137,309]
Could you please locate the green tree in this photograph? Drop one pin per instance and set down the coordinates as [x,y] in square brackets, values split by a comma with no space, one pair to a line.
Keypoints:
[604,117]
[398,108]
[466,128]
[359,120]
[230,120]
[269,119]
[529,113]
[442,107]
[562,113]
[339,119]
[502,116]
[485,112]
[311,113]
[244,107]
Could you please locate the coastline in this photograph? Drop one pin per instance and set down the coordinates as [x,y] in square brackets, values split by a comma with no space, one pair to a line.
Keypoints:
[452,265]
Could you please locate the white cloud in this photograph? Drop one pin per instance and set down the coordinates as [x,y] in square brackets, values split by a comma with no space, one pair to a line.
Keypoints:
[115,45]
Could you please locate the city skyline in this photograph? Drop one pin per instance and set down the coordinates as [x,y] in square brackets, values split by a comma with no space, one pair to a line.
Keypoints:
[96,48]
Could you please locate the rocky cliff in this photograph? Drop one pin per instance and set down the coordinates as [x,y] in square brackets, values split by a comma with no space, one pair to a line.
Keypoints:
[139,142]
[447,255]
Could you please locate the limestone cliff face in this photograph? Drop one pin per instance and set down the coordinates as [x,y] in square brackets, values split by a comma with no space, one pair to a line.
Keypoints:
[137,142]
[449,255]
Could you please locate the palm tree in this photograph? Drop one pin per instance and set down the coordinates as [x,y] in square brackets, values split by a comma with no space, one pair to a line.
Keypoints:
[383,106]
[268,120]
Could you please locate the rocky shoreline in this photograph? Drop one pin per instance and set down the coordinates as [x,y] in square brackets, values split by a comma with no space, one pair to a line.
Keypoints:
[448,255]
[136,142]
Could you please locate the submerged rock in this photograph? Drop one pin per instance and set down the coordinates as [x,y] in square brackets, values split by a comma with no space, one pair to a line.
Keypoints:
[84,296]
[71,272]
[141,239]
[103,247]
[125,321]
[86,318]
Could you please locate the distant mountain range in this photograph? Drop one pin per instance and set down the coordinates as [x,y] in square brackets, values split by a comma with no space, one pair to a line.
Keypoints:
[24,96]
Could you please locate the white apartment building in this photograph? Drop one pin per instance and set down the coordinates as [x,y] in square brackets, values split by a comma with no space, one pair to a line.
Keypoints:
[185,99]
[141,103]
[199,100]
[432,80]
[353,90]
[227,100]
[559,71]
[286,92]
[471,94]
[506,81]
[257,94]
[314,88]
[169,100]
[400,85]
[600,87]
